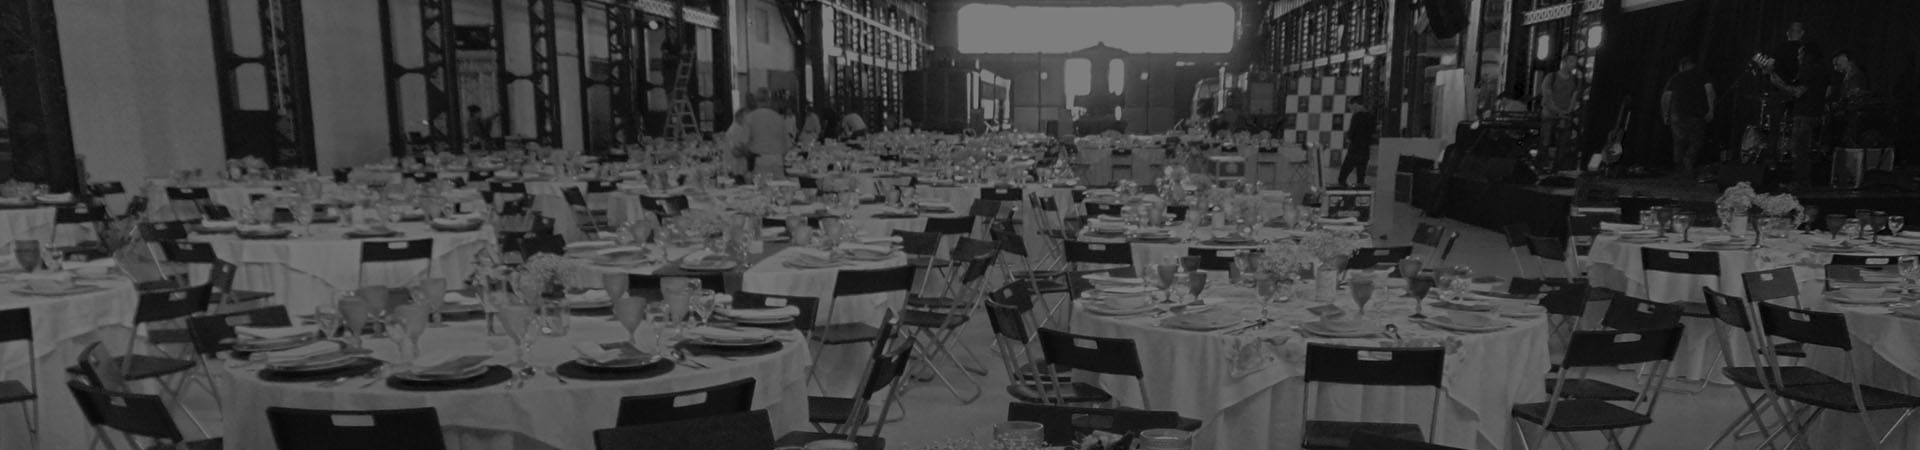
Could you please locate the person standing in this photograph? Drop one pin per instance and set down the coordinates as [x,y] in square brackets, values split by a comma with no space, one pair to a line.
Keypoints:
[1686,106]
[1360,139]
[1559,96]
[479,127]
[767,138]
[1809,93]
[852,126]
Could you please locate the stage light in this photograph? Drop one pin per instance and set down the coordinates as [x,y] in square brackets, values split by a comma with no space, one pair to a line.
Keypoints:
[1543,47]
[1143,76]
[1594,36]
[653,25]
[1043,75]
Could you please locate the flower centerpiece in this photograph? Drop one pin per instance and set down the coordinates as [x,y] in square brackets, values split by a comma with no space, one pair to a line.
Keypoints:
[1317,256]
[1781,213]
[540,283]
[1735,207]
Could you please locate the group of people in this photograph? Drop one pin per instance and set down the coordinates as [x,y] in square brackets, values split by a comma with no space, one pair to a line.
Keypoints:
[766,129]
[1794,68]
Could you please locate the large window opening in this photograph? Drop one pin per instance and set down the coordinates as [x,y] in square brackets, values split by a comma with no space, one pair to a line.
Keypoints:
[1196,28]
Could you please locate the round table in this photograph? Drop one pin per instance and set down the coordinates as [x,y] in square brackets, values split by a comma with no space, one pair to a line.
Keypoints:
[1618,265]
[63,326]
[34,223]
[1886,354]
[542,414]
[840,365]
[306,271]
[1250,403]
[1186,239]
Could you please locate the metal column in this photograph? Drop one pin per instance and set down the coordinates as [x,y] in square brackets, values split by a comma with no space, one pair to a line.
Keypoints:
[39,133]
[283,61]
[437,66]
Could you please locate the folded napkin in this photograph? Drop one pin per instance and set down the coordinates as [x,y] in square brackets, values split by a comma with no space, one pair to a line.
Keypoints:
[1338,221]
[697,256]
[462,299]
[219,224]
[875,249]
[55,198]
[732,334]
[441,366]
[605,353]
[882,240]
[812,252]
[255,228]
[783,183]
[102,263]
[453,222]
[588,245]
[247,332]
[321,348]
[769,232]
[763,313]
[590,296]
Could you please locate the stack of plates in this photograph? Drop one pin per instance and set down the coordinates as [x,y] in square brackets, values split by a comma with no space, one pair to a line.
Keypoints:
[1208,320]
[1863,296]
[762,316]
[1341,328]
[730,337]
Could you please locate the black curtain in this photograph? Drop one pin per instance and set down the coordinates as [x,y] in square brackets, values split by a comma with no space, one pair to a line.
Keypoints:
[1642,49]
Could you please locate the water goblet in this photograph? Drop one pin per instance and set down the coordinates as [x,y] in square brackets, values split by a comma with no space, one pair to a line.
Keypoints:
[328,318]
[1878,222]
[1410,267]
[1683,222]
[1834,223]
[518,320]
[1804,218]
[660,319]
[432,293]
[630,312]
[1417,288]
[1196,284]
[413,319]
[354,312]
[1852,229]
[1360,287]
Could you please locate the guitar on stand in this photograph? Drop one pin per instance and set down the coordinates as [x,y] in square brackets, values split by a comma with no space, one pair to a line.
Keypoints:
[1607,160]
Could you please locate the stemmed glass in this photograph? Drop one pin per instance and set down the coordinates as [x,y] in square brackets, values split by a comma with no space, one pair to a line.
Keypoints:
[413,318]
[328,317]
[1409,268]
[1196,284]
[660,319]
[1805,217]
[1910,270]
[432,293]
[703,306]
[1417,287]
[518,320]
[1150,274]
[1684,223]
[1879,222]
[630,312]
[1895,223]
[378,304]
[303,214]
[1834,224]
[1360,287]
[354,311]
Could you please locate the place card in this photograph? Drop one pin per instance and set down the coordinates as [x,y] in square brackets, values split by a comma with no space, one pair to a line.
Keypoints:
[696,398]
[352,420]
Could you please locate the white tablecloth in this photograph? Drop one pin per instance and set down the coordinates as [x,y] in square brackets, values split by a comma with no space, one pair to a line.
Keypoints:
[1886,351]
[62,327]
[544,414]
[1618,265]
[1190,372]
[307,271]
[27,223]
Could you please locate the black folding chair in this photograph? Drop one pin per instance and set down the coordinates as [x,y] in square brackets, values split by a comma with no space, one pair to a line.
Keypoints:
[808,306]
[1628,313]
[1369,366]
[195,197]
[1361,440]
[1736,315]
[1103,209]
[664,206]
[314,429]
[1378,257]
[1702,267]
[728,398]
[214,333]
[1827,329]
[849,283]
[1774,285]
[1518,242]
[1860,269]
[848,414]
[1038,282]
[17,325]
[1588,349]
[220,273]
[1065,425]
[136,415]
[395,251]
[1029,379]
[590,221]
[76,215]
[750,430]
[934,321]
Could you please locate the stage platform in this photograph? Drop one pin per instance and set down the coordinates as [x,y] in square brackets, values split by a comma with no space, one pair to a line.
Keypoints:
[1544,209]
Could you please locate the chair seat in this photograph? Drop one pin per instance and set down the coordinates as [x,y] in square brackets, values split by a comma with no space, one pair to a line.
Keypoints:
[204,444]
[833,410]
[1071,393]
[144,367]
[248,296]
[1184,423]
[1331,435]
[1581,415]
[802,438]
[1583,388]
[1695,309]
[1033,372]
[932,319]
[169,336]
[1749,377]
[1791,350]
[12,391]
[845,333]
[1839,397]
[935,302]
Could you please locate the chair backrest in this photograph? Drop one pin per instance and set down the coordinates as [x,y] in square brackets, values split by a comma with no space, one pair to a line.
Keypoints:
[1361,440]
[214,333]
[1582,229]
[1671,274]
[1857,267]
[602,186]
[1771,284]
[751,430]
[1547,247]
[170,304]
[949,225]
[1178,212]
[313,429]
[1083,252]
[1218,259]
[388,251]
[220,280]
[1628,313]
[1112,356]
[1375,366]
[861,282]
[1516,234]
[918,243]
[1729,310]
[809,306]
[978,255]
[885,369]
[573,196]
[1609,348]
[507,187]
[1001,194]
[187,193]
[1826,329]
[1006,320]
[79,212]
[142,415]
[1062,425]
[982,208]
[189,252]
[1010,242]
[1569,300]
[1428,234]
[16,325]
[1376,257]
[730,398]
[1103,209]
[164,231]
[664,205]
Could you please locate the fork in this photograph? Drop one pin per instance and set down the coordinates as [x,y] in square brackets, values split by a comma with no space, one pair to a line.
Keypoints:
[373,376]
[556,376]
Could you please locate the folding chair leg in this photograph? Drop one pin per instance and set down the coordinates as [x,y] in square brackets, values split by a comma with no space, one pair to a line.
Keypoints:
[1752,415]
[938,348]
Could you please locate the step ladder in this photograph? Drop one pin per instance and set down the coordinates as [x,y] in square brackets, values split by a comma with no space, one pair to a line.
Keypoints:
[684,122]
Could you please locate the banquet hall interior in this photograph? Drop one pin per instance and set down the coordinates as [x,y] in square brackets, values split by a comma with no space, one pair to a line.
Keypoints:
[959,224]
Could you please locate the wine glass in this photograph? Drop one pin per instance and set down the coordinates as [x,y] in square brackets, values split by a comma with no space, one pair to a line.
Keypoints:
[1895,223]
[1834,224]
[1805,217]
[616,284]
[1360,287]
[328,317]
[630,312]
[1410,268]
[703,306]
[377,304]
[432,293]
[518,320]
[354,311]
[1196,284]
[1683,222]
[413,318]
[27,252]
[1418,287]
[660,319]
[1150,275]
[1910,269]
